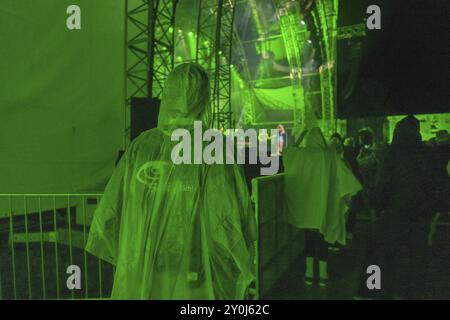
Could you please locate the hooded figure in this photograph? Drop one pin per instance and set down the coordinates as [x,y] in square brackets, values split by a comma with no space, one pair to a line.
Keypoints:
[175,231]
[405,187]
[406,200]
[317,183]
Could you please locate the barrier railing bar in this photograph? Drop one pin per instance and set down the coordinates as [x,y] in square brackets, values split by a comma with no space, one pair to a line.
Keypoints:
[27,246]
[41,235]
[254,197]
[100,270]
[13,254]
[42,250]
[55,226]
[84,251]
[69,223]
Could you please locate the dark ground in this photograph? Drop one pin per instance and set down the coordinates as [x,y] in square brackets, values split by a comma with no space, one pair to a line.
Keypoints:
[345,267]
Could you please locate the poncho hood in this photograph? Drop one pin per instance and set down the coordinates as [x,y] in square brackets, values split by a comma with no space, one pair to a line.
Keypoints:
[185,99]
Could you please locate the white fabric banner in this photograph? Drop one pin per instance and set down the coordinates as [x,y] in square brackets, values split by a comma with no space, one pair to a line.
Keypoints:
[61,95]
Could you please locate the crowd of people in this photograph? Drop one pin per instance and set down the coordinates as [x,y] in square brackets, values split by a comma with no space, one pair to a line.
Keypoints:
[187,231]
[402,190]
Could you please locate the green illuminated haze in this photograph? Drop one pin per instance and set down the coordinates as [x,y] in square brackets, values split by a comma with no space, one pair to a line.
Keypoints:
[62,101]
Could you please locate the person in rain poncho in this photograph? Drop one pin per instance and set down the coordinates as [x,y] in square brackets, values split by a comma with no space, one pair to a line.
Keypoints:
[175,231]
[318,185]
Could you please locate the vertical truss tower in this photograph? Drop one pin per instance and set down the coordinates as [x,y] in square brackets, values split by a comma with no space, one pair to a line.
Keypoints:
[325,17]
[215,29]
[149,49]
[295,34]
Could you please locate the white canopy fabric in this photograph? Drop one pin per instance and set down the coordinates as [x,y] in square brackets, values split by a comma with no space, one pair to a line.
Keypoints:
[61,95]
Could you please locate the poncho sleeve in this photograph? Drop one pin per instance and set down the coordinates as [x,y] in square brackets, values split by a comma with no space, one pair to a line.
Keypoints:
[228,195]
[232,229]
[104,232]
[348,184]
[343,185]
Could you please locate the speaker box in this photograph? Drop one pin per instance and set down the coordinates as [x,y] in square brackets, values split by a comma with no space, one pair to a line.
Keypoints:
[144,115]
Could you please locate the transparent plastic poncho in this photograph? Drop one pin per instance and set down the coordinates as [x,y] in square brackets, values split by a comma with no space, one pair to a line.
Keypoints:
[175,231]
[318,187]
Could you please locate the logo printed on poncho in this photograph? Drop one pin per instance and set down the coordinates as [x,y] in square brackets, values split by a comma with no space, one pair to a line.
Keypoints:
[150,173]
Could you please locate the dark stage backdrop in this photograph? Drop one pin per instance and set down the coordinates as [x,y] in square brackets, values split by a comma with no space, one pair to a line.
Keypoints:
[405,66]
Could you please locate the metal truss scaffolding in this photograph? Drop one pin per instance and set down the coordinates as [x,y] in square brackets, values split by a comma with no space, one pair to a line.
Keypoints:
[162,51]
[353,31]
[295,34]
[325,18]
[150,49]
[241,67]
[215,31]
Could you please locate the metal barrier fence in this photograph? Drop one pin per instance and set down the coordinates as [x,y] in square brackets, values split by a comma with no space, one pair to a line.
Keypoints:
[41,235]
[279,244]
